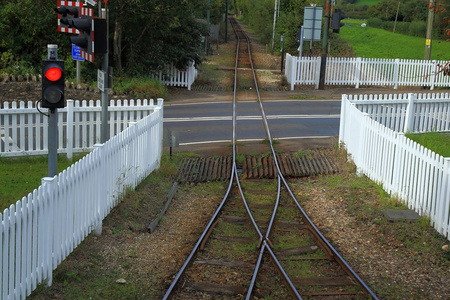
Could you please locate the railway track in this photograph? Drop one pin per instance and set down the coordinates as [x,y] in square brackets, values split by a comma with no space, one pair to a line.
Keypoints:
[260,242]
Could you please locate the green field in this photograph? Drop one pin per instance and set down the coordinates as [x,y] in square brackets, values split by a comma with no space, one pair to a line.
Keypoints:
[378,43]
[367,2]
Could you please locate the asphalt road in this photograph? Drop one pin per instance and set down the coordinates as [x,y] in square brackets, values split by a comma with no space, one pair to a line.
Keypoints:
[202,122]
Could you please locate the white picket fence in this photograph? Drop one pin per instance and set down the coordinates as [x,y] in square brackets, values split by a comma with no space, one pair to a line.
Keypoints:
[42,229]
[175,77]
[24,129]
[372,130]
[359,71]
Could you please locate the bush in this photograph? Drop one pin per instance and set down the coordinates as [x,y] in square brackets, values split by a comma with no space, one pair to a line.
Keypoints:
[141,88]
[418,28]
[374,22]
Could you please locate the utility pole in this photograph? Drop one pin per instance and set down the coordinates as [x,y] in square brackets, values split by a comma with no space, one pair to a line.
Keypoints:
[275,14]
[429,36]
[323,61]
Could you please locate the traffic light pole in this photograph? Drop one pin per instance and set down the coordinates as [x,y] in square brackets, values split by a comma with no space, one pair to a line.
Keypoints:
[105,66]
[52,128]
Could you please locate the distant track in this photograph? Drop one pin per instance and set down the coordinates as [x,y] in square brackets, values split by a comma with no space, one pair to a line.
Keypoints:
[254,225]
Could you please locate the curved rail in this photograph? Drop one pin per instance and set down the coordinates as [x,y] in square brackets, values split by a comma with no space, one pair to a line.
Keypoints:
[264,240]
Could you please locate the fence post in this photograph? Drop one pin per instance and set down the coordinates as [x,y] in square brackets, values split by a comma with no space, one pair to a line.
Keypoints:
[433,77]
[101,190]
[358,72]
[317,75]
[409,118]
[396,71]
[344,100]
[444,201]
[69,129]
[46,232]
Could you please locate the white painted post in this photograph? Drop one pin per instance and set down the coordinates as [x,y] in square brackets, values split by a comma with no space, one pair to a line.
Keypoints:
[358,72]
[409,118]
[396,70]
[69,129]
[46,224]
[101,191]
[344,100]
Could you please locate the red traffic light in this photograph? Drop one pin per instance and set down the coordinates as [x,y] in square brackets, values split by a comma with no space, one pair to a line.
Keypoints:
[53,74]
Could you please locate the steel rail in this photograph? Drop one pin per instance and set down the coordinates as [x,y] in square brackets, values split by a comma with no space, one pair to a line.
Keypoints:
[316,232]
[265,242]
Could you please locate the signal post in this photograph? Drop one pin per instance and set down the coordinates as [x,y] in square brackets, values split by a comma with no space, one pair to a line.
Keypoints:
[52,98]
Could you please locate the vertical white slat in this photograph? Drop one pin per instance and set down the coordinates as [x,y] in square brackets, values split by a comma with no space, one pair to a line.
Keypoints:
[84,122]
[30,127]
[39,128]
[4,243]
[18,250]
[21,142]
[14,135]
[37,200]
[76,117]
[11,251]
[28,272]
[6,126]
[69,129]
[91,124]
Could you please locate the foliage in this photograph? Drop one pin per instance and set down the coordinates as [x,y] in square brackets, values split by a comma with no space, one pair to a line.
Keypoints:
[141,88]
[26,28]
[144,35]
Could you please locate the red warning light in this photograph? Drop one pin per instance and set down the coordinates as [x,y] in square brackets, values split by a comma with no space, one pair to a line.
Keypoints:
[53,74]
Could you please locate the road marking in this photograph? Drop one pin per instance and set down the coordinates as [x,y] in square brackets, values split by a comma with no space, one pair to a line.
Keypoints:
[243,118]
[255,140]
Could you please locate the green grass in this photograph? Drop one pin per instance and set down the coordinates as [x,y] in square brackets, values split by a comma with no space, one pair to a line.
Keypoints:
[376,43]
[435,141]
[367,2]
[21,176]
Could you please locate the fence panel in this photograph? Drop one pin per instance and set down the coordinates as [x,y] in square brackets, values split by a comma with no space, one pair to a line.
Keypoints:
[368,71]
[24,128]
[406,169]
[42,229]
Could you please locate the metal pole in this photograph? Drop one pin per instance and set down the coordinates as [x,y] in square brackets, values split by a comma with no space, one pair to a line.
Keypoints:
[105,114]
[323,62]
[282,52]
[52,130]
[429,35]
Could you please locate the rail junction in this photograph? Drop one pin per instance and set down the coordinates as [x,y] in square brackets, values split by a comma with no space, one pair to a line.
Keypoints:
[260,242]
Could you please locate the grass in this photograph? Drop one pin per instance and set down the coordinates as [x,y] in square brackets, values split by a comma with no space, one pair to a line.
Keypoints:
[21,176]
[367,2]
[435,141]
[375,43]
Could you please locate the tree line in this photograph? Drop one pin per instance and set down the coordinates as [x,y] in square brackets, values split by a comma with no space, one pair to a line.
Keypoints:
[144,35]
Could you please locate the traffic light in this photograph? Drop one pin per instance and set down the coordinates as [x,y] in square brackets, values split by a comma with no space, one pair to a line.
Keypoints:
[336,23]
[84,40]
[52,83]
[68,10]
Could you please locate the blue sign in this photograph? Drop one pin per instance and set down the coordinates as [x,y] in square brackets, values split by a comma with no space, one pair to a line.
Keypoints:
[76,53]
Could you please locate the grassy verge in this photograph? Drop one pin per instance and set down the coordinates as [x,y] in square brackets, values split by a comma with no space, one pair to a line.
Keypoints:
[436,141]
[378,43]
[21,176]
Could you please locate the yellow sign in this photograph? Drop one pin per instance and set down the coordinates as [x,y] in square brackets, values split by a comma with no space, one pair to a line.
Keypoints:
[427,42]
